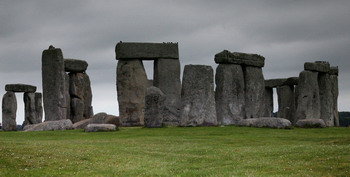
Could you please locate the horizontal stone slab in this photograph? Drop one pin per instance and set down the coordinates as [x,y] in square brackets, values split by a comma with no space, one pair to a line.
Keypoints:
[20,88]
[334,70]
[318,66]
[146,51]
[74,65]
[272,83]
[227,57]
[292,81]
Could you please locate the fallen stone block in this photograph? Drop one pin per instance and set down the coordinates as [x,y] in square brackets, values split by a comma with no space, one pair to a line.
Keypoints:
[266,122]
[227,57]
[311,123]
[100,128]
[318,66]
[64,124]
[20,88]
[75,66]
[100,118]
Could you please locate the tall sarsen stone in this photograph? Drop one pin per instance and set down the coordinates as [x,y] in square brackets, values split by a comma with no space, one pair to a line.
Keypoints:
[9,108]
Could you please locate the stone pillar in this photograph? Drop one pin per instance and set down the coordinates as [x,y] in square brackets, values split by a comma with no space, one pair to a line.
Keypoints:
[326,98]
[155,107]
[53,78]
[267,109]
[308,96]
[229,94]
[38,107]
[198,100]
[335,93]
[68,99]
[167,79]
[9,108]
[254,91]
[286,105]
[30,116]
[131,86]
[77,110]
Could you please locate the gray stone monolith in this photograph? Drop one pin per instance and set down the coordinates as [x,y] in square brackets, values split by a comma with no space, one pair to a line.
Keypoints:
[326,98]
[167,79]
[80,87]
[197,96]
[229,94]
[131,86]
[68,99]
[30,116]
[335,92]
[254,91]
[9,108]
[39,107]
[53,78]
[286,105]
[308,96]
[154,107]
[77,110]
[267,109]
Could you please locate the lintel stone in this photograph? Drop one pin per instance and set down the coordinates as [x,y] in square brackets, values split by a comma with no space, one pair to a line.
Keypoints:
[74,65]
[227,57]
[146,51]
[334,70]
[272,83]
[318,66]
[20,88]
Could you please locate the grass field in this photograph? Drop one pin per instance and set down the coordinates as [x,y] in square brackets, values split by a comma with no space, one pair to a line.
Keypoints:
[201,151]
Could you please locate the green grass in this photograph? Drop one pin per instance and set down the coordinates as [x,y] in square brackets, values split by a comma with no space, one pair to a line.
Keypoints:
[202,151]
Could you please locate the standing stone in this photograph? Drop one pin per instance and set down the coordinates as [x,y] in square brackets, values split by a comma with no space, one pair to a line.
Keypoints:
[267,109]
[77,110]
[68,99]
[9,108]
[335,93]
[53,78]
[80,87]
[154,107]
[167,79]
[286,105]
[254,91]
[229,94]
[39,107]
[30,116]
[308,96]
[197,96]
[131,87]
[326,98]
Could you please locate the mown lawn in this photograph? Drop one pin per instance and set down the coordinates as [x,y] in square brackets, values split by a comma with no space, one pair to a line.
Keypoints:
[204,151]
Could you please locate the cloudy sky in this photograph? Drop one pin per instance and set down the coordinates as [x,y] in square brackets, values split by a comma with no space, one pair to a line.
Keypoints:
[287,33]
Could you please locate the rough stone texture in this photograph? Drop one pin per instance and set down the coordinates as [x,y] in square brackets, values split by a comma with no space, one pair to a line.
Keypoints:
[100,118]
[226,57]
[326,98]
[131,86]
[80,87]
[82,124]
[30,114]
[167,79]
[65,124]
[68,99]
[146,51]
[154,107]
[100,128]
[20,88]
[229,94]
[254,91]
[9,108]
[310,123]
[318,66]
[335,93]
[266,122]
[334,70]
[267,109]
[39,107]
[286,105]
[292,81]
[75,66]
[308,105]
[77,110]
[198,100]
[273,83]
[53,78]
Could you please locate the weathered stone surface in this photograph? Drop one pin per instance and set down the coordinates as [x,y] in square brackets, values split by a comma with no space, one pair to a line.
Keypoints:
[273,83]
[146,51]
[20,88]
[53,78]
[334,70]
[77,110]
[154,107]
[292,81]
[100,118]
[64,124]
[254,91]
[226,57]
[131,86]
[266,122]
[198,100]
[229,94]
[80,87]
[68,99]
[267,109]
[30,114]
[100,128]
[39,107]
[9,108]
[318,66]
[326,98]
[335,94]
[286,105]
[308,96]
[310,123]
[82,124]
[167,79]
[75,66]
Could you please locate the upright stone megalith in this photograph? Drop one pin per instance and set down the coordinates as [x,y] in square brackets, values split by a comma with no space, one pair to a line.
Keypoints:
[154,107]
[286,104]
[53,78]
[335,93]
[254,91]
[30,114]
[229,94]
[197,96]
[267,107]
[326,98]
[39,107]
[9,108]
[131,86]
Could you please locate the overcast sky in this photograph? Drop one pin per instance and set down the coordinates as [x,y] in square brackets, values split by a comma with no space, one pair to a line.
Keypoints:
[287,33]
